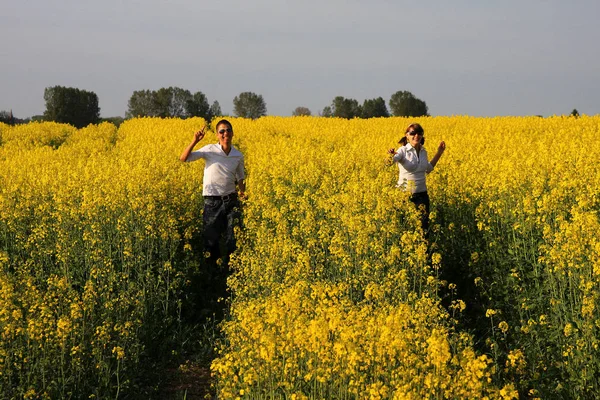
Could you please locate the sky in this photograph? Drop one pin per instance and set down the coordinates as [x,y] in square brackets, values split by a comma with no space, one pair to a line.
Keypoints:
[479,58]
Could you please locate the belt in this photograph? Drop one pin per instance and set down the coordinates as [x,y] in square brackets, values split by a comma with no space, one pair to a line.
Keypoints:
[227,197]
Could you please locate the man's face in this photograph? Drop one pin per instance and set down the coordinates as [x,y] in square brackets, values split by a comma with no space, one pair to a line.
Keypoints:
[224,133]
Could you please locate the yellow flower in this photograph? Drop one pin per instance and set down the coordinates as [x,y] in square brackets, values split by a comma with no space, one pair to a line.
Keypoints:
[568,329]
[509,392]
[119,352]
[503,326]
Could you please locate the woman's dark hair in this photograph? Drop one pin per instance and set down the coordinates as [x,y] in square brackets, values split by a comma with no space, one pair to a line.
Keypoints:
[417,128]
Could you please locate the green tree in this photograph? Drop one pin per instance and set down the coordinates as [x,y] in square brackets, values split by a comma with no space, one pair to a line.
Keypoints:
[301,111]
[7,117]
[162,101]
[249,105]
[345,108]
[575,113]
[215,110]
[374,108]
[405,104]
[71,106]
[171,102]
[327,112]
[197,106]
[179,101]
[141,104]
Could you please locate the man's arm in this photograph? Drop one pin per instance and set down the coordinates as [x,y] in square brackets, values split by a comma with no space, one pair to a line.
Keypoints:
[198,136]
[241,187]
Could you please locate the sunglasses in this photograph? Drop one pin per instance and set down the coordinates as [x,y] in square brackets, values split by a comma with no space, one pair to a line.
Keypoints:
[228,130]
[413,133]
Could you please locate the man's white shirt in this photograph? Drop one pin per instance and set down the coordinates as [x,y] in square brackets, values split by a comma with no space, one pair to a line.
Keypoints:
[221,171]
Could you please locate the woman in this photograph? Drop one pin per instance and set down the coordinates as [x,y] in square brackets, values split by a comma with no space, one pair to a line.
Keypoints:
[414,165]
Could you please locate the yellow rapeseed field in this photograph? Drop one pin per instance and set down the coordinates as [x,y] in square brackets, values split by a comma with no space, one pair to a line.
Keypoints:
[334,291]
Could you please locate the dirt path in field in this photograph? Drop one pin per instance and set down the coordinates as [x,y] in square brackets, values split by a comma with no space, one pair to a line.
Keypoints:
[188,375]
[192,382]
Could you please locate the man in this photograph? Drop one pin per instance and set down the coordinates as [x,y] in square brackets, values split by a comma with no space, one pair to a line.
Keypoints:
[224,168]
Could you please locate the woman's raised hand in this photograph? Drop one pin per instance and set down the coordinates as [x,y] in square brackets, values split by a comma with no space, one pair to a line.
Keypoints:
[442,147]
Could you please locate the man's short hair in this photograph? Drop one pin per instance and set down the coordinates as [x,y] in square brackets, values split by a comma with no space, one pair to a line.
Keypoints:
[224,122]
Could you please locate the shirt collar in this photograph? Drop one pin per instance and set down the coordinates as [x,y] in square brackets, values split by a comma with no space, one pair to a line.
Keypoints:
[233,152]
[409,147]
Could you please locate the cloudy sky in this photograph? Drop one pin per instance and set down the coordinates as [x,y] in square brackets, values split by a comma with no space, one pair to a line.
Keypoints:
[480,58]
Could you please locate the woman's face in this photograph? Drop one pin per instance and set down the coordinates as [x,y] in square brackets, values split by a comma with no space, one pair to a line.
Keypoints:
[414,138]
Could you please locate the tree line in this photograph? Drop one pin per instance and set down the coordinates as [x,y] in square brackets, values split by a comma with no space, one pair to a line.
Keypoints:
[402,104]
[81,108]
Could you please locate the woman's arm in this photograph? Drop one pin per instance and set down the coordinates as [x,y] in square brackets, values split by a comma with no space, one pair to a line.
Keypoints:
[397,156]
[440,151]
